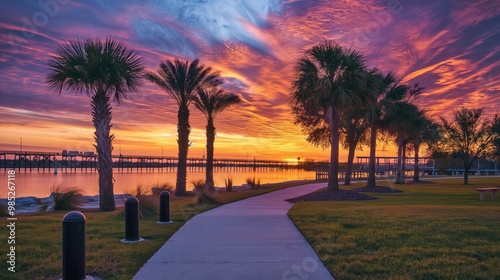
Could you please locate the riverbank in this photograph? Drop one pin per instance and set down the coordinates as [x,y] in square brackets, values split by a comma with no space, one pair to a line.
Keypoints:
[33,204]
[39,184]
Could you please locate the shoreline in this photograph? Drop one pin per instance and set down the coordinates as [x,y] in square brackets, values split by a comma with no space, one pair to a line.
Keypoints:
[33,204]
[40,184]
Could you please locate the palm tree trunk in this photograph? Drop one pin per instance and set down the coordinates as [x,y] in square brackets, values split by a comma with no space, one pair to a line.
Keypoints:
[416,170]
[183,130]
[371,165]
[399,168]
[101,118]
[209,176]
[403,164]
[350,160]
[334,123]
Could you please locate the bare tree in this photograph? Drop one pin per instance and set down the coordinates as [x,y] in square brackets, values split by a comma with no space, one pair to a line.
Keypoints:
[469,137]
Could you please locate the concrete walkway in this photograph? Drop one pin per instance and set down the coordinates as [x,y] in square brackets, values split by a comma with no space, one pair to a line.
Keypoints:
[248,239]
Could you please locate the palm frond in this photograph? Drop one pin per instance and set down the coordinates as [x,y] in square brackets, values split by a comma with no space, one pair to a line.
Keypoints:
[92,66]
[181,80]
[328,75]
[212,101]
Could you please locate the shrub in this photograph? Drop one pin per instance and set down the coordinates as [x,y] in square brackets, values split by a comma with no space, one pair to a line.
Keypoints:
[198,185]
[255,185]
[203,192]
[250,182]
[229,184]
[148,203]
[157,188]
[66,198]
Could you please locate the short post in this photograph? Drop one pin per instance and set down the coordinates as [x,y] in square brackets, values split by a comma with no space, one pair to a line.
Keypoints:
[164,208]
[132,220]
[73,239]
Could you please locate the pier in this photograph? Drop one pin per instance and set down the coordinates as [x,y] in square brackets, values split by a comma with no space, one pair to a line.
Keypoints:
[431,166]
[28,161]
[387,166]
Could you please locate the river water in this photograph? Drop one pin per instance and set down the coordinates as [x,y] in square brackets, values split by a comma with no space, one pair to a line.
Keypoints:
[39,184]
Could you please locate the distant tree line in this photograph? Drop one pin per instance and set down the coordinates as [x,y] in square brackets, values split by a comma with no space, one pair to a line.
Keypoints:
[337,99]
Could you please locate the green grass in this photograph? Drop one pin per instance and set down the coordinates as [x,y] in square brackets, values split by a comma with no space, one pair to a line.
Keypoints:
[430,231]
[39,248]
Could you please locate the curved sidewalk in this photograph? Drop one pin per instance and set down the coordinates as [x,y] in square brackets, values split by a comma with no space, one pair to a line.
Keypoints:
[247,239]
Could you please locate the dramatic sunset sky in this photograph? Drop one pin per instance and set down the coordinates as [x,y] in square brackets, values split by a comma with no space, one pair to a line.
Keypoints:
[452,47]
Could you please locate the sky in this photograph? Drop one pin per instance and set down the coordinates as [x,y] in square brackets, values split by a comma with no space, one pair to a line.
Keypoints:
[451,47]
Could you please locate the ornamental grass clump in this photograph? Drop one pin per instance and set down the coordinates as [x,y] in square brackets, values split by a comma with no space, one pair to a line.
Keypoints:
[148,203]
[157,188]
[229,184]
[254,185]
[203,192]
[66,198]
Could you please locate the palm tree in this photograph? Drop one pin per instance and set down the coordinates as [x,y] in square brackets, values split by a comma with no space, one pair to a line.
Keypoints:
[211,102]
[327,81]
[406,121]
[355,127]
[181,80]
[385,90]
[403,121]
[103,71]
[425,131]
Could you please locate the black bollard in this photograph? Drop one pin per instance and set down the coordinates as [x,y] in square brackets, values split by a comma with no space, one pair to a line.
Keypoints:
[73,239]
[132,220]
[164,208]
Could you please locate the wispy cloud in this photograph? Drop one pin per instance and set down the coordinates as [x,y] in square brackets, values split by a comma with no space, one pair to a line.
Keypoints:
[450,47]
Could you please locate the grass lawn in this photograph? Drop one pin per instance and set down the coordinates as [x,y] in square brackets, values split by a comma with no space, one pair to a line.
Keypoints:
[430,231]
[39,248]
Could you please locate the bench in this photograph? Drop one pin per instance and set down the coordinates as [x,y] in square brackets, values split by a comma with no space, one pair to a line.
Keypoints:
[483,190]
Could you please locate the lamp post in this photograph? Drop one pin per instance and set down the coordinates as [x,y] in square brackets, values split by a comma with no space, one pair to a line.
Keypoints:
[21,138]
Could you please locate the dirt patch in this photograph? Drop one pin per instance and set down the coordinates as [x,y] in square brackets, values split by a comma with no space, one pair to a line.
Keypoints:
[377,189]
[325,195]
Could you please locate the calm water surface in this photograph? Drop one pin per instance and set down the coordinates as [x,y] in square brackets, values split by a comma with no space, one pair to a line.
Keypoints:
[39,184]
